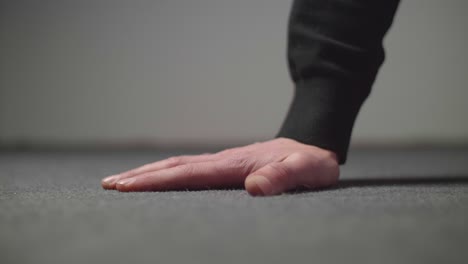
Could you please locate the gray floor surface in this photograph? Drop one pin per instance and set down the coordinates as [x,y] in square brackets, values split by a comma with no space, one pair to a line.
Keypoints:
[392,206]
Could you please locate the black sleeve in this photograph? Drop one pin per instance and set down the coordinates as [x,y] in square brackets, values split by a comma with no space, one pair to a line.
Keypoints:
[334,52]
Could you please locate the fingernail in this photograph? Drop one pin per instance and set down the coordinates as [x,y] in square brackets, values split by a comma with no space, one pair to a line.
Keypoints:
[110,179]
[264,185]
[126,181]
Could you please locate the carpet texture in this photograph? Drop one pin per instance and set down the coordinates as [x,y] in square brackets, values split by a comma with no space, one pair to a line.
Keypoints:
[392,206]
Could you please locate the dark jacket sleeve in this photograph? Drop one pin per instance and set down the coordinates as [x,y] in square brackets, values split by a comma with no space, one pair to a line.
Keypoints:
[334,52]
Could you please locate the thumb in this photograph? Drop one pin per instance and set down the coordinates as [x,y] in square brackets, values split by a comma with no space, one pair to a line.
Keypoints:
[297,170]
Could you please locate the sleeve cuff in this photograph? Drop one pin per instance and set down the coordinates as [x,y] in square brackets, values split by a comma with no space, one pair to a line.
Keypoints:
[322,113]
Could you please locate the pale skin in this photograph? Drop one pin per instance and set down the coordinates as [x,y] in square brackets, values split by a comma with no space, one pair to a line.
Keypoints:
[263,169]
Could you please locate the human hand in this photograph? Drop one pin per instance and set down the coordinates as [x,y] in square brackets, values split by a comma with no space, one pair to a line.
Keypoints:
[264,168]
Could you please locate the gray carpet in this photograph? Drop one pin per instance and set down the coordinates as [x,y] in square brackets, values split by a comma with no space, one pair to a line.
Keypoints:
[392,206]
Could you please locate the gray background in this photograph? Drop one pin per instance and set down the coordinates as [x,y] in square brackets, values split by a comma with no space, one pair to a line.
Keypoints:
[209,71]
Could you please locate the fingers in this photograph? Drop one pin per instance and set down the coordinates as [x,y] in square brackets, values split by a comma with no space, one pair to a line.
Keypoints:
[261,172]
[110,182]
[193,176]
[297,170]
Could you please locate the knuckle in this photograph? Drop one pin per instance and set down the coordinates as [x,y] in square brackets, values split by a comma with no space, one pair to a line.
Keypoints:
[303,155]
[308,158]
[174,161]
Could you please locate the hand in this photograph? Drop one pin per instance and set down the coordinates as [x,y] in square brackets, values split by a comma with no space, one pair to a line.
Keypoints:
[264,168]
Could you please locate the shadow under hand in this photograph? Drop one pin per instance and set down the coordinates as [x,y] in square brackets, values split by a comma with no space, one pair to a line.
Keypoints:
[403,181]
[397,181]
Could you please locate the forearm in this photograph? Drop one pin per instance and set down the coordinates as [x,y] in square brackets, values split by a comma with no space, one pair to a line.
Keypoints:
[334,53]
